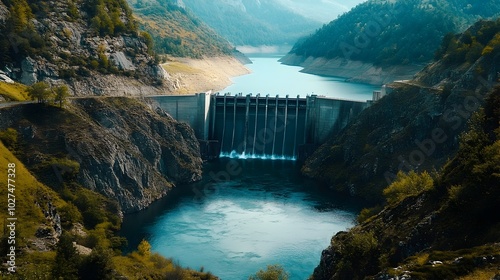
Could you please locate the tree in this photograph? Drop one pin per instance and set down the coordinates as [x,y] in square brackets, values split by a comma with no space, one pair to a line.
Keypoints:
[273,272]
[144,248]
[98,265]
[67,259]
[39,91]
[61,94]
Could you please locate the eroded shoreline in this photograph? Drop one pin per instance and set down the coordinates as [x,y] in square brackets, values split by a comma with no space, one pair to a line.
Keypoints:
[201,75]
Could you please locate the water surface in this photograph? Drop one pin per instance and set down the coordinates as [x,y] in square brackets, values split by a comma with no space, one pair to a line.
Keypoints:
[248,213]
[271,77]
[244,215]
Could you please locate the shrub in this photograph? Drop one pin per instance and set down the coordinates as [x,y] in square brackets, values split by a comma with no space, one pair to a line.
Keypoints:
[9,137]
[406,185]
[273,272]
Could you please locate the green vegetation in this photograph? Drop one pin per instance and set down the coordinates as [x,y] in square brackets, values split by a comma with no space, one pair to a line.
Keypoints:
[177,32]
[395,32]
[482,40]
[106,17]
[14,92]
[61,94]
[453,216]
[144,264]
[43,93]
[272,272]
[40,92]
[406,185]
[25,33]
[9,137]
[254,24]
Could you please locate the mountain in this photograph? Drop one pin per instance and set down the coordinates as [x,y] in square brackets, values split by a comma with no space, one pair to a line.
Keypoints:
[253,22]
[176,31]
[431,151]
[93,46]
[320,10]
[381,34]
[447,231]
[76,171]
[396,132]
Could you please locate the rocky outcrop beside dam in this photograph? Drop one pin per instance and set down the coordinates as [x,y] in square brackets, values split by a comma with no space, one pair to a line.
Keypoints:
[125,150]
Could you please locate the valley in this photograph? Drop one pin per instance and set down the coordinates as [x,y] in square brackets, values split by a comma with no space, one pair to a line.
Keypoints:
[403,184]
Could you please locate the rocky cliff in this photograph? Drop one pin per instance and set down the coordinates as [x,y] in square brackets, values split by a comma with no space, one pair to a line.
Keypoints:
[446,232]
[416,127]
[433,124]
[92,46]
[352,70]
[123,149]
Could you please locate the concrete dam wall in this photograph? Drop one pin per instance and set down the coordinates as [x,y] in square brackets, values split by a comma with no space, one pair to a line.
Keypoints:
[260,126]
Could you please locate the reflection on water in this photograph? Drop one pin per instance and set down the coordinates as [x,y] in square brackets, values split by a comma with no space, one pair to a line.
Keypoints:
[269,76]
[244,215]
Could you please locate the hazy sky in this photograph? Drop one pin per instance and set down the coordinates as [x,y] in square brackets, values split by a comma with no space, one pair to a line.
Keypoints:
[321,10]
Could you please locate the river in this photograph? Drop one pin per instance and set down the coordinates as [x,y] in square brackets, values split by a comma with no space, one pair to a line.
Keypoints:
[246,214]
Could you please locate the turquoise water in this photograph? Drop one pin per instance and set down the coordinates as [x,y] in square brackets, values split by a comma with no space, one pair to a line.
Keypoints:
[244,215]
[247,213]
[271,77]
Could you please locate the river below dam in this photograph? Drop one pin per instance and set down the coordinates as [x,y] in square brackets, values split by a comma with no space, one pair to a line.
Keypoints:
[249,213]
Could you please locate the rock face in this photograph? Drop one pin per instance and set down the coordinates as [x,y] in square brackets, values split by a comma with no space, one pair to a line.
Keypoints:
[416,127]
[353,71]
[125,150]
[71,50]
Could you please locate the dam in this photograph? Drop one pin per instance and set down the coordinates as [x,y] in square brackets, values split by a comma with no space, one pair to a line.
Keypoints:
[258,126]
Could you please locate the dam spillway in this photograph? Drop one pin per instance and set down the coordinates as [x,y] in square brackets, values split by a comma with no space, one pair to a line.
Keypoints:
[259,126]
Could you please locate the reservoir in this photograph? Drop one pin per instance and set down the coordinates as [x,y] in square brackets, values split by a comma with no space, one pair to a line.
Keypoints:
[271,77]
[249,213]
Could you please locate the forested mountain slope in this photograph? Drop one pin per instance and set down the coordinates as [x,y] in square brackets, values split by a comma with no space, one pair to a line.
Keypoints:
[93,46]
[430,151]
[251,22]
[394,32]
[176,31]
[396,133]
[381,41]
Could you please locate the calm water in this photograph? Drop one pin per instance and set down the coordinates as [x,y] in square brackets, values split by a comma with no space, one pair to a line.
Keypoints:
[271,77]
[244,215]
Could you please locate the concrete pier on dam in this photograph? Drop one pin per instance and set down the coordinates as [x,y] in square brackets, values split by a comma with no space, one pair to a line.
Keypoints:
[255,126]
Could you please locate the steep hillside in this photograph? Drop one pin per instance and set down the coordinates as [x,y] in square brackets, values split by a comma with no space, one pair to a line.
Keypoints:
[379,35]
[449,231]
[416,127]
[123,150]
[93,46]
[251,22]
[176,31]
[50,219]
